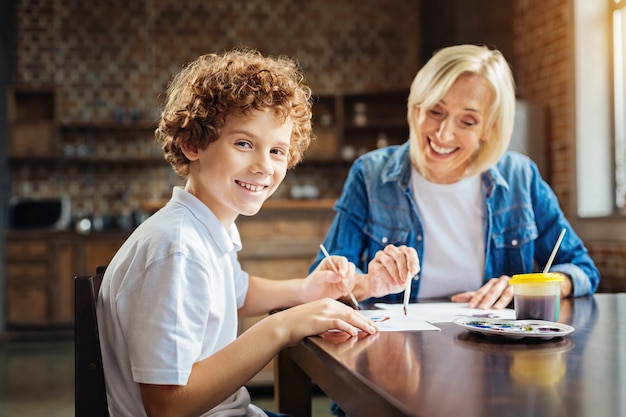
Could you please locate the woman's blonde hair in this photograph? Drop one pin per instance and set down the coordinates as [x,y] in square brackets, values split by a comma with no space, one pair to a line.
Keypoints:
[435,78]
[240,81]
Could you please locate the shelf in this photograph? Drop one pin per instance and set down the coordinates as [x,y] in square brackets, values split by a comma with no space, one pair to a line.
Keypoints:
[393,123]
[350,124]
[27,105]
[355,120]
[53,160]
[109,125]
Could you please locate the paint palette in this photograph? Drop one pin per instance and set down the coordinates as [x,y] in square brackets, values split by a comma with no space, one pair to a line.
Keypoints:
[514,329]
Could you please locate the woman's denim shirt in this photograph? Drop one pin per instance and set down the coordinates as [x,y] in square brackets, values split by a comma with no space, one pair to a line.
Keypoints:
[524,220]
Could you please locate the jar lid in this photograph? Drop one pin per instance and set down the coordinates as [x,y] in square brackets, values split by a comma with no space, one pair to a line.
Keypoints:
[536,278]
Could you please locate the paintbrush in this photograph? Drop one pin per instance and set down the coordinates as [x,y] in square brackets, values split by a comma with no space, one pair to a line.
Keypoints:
[407,292]
[556,248]
[407,289]
[343,280]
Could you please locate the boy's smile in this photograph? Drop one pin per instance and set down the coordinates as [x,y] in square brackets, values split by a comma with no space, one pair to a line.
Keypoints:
[238,172]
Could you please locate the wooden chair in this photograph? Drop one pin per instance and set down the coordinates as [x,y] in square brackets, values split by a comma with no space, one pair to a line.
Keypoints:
[89,389]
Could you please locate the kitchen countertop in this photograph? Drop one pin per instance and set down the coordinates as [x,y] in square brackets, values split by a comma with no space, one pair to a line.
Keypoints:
[271,204]
[269,207]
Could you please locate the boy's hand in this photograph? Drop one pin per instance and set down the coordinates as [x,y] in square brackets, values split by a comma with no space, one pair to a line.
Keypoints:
[325,282]
[320,316]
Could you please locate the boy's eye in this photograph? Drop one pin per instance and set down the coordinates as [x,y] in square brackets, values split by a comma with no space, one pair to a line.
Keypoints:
[279,152]
[243,144]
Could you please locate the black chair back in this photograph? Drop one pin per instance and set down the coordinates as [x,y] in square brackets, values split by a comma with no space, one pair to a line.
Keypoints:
[89,389]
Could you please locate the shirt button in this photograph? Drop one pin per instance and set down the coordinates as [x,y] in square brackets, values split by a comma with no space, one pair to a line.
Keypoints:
[514,242]
[419,238]
[384,239]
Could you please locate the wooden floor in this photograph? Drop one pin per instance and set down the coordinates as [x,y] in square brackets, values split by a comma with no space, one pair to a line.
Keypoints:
[37,379]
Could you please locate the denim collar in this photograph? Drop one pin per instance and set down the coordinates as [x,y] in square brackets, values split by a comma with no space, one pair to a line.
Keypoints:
[398,168]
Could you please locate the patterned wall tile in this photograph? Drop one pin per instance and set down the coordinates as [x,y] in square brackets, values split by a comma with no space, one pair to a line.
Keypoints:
[110,59]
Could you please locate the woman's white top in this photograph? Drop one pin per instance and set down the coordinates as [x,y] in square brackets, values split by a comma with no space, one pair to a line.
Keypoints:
[453,221]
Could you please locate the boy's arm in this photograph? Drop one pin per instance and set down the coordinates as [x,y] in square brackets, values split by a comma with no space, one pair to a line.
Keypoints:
[215,378]
[265,295]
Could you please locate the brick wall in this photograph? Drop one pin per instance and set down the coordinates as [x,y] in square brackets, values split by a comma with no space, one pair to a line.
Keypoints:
[544,39]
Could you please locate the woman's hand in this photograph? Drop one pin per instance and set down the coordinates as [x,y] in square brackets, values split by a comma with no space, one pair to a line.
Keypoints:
[496,294]
[388,271]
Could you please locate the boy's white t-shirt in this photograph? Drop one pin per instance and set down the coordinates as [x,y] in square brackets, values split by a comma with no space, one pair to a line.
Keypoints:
[168,300]
[453,221]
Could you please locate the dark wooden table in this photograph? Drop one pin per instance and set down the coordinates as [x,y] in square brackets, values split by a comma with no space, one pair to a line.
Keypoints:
[457,373]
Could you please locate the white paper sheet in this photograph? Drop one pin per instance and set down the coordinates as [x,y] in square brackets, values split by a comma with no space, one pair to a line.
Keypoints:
[394,320]
[444,312]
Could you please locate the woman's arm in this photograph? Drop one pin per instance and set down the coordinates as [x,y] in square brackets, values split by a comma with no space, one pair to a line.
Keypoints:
[572,258]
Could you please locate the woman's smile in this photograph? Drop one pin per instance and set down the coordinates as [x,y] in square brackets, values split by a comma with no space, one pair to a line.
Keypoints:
[441,150]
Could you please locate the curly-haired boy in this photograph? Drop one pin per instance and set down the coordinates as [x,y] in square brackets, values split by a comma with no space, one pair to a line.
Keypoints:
[232,124]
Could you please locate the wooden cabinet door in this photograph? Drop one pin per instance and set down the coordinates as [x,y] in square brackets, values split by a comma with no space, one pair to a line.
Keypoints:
[30,285]
[99,250]
[28,305]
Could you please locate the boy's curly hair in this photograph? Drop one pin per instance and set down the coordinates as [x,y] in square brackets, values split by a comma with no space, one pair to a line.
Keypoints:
[204,92]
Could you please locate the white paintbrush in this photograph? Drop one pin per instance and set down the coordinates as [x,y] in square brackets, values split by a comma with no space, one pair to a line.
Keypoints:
[554,250]
[407,292]
[407,288]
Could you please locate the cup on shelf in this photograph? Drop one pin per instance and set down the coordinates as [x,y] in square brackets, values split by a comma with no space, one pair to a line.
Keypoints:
[348,153]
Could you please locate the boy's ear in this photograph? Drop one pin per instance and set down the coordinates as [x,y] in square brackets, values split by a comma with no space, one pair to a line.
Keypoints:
[190,149]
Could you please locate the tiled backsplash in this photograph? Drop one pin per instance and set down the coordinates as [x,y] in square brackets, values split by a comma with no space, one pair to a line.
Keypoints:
[108,62]
[112,59]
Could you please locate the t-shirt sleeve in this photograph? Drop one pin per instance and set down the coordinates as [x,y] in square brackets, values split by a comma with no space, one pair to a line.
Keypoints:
[241,278]
[163,326]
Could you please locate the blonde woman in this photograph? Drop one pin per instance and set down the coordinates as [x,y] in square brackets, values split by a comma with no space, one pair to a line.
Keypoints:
[452,200]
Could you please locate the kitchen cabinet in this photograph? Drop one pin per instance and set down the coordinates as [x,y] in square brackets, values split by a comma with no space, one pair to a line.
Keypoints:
[40,270]
[39,285]
[36,131]
[349,124]
[99,248]
[32,117]
[375,120]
